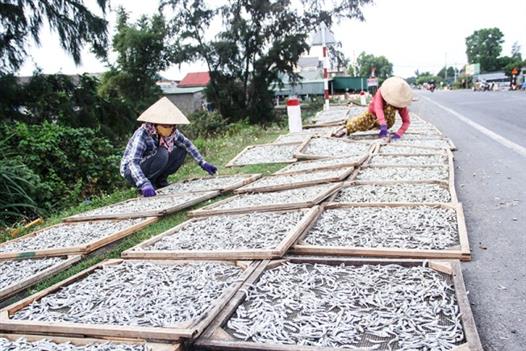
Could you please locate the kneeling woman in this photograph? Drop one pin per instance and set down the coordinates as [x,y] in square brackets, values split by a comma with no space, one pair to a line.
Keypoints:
[157,149]
[394,95]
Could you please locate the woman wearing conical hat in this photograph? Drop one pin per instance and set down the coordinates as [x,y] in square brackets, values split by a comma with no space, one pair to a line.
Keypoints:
[394,95]
[157,149]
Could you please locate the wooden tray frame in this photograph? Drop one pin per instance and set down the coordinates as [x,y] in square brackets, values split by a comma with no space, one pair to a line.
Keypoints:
[344,173]
[232,162]
[216,338]
[212,209]
[451,146]
[186,330]
[462,252]
[450,187]
[248,179]
[74,250]
[85,341]
[157,213]
[241,254]
[449,156]
[449,167]
[437,150]
[350,163]
[302,156]
[35,278]
[332,123]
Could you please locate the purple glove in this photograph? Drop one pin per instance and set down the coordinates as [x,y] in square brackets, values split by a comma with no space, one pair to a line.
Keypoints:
[210,168]
[383,131]
[395,136]
[147,190]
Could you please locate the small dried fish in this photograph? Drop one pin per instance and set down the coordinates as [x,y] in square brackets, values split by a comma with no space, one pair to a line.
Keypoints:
[22,344]
[69,235]
[203,184]
[296,178]
[14,271]
[405,160]
[403,173]
[419,227]
[398,149]
[419,193]
[258,230]
[317,164]
[436,143]
[275,198]
[267,153]
[145,204]
[333,147]
[370,307]
[137,293]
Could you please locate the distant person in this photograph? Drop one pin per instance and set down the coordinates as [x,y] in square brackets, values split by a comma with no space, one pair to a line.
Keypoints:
[394,95]
[157,149]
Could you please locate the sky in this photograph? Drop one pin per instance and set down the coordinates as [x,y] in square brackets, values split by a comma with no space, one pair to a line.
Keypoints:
[412,34]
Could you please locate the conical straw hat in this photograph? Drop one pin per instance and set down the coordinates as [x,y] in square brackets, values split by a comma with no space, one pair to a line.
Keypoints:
[163,112]
[396,92]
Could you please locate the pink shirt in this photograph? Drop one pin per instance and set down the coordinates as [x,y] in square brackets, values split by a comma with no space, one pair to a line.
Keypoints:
[376,107]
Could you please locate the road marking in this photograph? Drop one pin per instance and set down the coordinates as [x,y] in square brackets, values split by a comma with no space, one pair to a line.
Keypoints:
[498,138]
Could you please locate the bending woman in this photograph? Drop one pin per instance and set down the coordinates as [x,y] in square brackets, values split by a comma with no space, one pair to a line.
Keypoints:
[394,95]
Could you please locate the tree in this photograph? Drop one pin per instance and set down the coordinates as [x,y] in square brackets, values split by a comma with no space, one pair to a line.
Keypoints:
[260,43]
[381,65]
[484,46]
[425,77]
[70,19]
[142,54]
[337,57]
[450,73]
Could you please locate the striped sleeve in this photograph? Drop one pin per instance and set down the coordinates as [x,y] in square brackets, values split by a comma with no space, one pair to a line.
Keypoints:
[182,141]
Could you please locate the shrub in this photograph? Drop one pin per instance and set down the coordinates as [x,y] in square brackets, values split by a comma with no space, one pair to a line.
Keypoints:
[205,124]
[18,185]
[70,163]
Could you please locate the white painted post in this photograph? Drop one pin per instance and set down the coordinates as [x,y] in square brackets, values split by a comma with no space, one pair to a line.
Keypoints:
[294,115]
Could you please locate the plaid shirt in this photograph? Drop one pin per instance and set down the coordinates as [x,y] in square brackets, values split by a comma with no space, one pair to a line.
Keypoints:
[142,145]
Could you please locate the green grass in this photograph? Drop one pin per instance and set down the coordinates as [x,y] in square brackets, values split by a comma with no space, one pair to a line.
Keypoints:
[218,151]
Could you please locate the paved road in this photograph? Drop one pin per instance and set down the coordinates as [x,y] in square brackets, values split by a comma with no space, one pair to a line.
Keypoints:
[489,130]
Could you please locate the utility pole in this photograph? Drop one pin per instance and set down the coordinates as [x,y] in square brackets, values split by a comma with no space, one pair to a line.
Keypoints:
[445,67]
[325,67]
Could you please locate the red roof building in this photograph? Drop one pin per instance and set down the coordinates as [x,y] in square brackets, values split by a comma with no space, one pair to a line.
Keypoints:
[195,79]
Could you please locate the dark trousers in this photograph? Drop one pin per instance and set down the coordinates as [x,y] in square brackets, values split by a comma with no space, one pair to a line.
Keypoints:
[160,165]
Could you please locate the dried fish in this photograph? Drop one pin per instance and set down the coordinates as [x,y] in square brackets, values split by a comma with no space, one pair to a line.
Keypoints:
[405,160]
[299,137]
[333,147]
[267,153]
[421,227]
[137,293]
[145,204]
[318,164]
[69,235]
[436,143]
[22,344]
[399,149]
[203,184]
[297,178]
[14,271]
[275,198]
[418,192]
[403,173]
[387,307]
[257,230]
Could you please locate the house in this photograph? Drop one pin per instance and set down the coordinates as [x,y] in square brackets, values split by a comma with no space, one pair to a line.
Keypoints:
[188,94]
